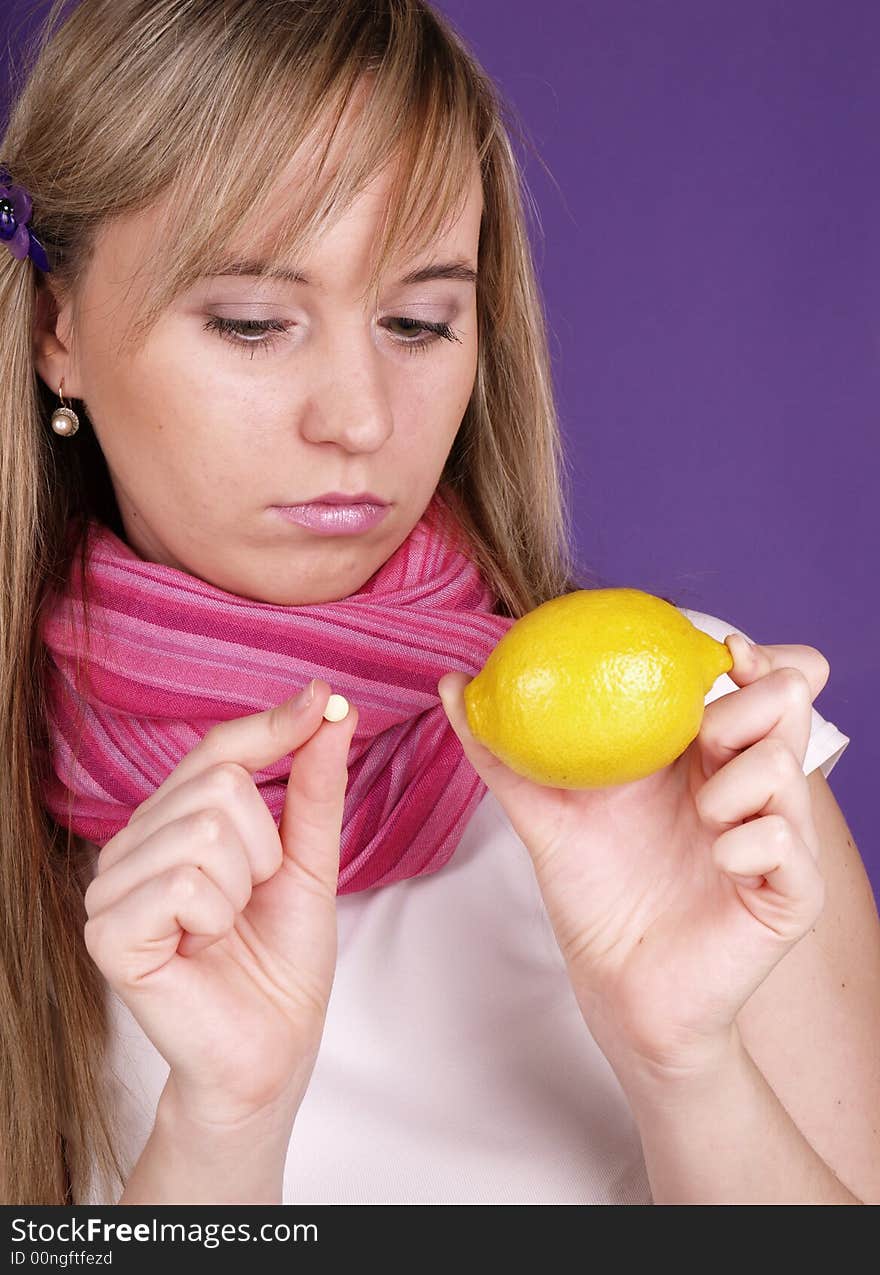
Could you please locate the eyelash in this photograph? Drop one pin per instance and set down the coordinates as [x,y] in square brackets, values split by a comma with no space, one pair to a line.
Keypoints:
[233,331]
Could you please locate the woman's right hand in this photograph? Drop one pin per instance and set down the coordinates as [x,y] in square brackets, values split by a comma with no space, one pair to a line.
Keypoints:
[217,928]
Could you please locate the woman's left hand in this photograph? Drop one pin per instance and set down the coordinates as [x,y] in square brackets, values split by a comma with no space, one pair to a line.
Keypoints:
[673,897]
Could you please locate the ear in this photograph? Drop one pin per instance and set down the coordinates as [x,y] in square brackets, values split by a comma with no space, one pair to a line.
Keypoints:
[51,341]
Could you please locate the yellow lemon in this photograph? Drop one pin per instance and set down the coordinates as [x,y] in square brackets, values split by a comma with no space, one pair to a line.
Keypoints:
[595,688]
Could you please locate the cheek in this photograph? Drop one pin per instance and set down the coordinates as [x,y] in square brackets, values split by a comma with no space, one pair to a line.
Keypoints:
[160,437]
[202,413]
[141,401]
[464,382]
[440,391]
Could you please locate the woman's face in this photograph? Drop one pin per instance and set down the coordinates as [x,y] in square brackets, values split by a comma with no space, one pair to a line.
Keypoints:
[205,430]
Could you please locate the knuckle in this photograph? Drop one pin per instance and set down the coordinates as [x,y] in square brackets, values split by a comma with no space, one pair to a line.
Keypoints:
[183,882]
[778,832]
[230,778]
[796,685]
[210,825]
[779,757]
[228,781]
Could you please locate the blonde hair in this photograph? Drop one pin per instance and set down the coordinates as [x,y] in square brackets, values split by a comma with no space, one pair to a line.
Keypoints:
[197,107]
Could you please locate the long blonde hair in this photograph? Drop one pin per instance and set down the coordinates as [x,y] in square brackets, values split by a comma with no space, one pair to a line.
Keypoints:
[196,107]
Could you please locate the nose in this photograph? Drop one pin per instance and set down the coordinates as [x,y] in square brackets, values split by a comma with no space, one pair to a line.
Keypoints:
[351,404]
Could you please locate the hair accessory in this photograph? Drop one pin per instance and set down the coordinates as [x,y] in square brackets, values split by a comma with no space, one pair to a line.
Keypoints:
[64,419]
[15,212]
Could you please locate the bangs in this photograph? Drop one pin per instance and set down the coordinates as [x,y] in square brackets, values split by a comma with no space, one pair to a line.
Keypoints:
[278,147]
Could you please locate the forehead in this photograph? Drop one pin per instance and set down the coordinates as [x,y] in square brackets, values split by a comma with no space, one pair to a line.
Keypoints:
[354,232]
[124,243]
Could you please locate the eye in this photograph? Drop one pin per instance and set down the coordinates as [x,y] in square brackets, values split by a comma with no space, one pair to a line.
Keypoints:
[263,334]
[253,334]
[431,332]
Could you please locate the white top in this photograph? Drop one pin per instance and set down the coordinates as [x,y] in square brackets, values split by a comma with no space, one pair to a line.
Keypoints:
[455,1066]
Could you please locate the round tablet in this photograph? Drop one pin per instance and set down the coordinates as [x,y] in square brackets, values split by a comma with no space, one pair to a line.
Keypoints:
[337,708]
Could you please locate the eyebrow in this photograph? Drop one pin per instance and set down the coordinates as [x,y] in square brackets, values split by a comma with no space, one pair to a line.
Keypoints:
[460,270]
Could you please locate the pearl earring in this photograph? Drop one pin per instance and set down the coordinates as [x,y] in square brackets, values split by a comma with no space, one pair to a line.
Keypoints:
[64,419]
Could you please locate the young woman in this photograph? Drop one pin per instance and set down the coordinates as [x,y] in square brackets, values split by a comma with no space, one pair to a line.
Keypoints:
[258,254]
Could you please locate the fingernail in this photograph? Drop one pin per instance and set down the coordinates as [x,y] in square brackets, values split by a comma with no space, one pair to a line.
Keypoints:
[305,696]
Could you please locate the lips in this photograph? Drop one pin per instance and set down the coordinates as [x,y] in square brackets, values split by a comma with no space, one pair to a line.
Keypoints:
[340,498]
[334,520]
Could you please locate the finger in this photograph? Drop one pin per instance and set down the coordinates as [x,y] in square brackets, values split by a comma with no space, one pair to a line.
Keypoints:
[776,706]
[775,874]
[766,779]
[207,839]
[254,742]
[314,801]
[751,662]
[498,777]
[139,936]
[227,786]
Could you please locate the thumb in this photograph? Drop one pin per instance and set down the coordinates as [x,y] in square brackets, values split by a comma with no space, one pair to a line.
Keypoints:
[314,802]
[494,773]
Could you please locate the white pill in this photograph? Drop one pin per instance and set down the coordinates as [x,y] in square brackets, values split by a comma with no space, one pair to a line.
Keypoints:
[337,708]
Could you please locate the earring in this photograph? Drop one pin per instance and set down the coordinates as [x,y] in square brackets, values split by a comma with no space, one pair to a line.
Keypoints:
[64,419]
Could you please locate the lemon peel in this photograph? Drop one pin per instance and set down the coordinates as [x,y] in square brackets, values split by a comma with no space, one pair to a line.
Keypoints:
[594,688]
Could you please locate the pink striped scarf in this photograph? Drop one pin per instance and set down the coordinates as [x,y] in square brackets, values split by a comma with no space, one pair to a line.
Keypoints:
[172,655]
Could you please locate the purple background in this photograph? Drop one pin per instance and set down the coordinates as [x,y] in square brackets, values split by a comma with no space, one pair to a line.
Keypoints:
[708,257]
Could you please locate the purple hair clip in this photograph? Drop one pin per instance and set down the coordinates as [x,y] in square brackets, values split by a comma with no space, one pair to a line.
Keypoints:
[15,213]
